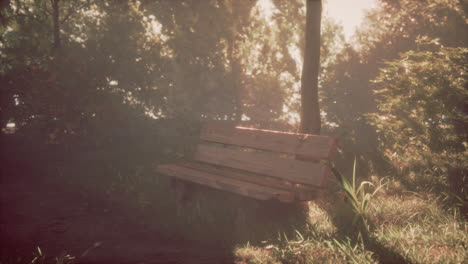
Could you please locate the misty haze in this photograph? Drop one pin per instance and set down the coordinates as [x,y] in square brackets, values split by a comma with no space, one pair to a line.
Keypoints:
[233,131]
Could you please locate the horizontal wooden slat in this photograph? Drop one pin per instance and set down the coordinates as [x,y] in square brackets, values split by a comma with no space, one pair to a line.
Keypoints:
[258,162]
[225,183]
[301,192]
[305,145]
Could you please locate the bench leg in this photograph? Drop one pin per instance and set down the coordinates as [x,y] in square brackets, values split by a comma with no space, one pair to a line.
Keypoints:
[183,190]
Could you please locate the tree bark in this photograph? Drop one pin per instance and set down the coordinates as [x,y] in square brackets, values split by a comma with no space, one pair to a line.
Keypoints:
[235,79]
[234,60]
[310,111]
[56,24]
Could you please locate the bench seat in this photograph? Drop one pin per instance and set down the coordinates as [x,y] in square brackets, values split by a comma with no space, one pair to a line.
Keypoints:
[257,163]
[253,185]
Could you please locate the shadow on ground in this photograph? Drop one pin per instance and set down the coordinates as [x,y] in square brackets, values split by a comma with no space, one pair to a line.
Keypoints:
[72,207]
[59,218]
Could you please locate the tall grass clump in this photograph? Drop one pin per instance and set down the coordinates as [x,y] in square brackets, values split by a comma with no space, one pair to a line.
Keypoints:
[359,197]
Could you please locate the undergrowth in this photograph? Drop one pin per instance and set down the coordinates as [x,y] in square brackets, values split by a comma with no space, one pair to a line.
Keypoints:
[361,224]
[378,223]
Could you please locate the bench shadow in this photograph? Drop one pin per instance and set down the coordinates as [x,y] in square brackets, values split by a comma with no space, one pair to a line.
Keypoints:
[235,220]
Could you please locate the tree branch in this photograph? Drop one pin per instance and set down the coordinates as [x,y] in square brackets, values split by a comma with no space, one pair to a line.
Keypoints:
[71,11]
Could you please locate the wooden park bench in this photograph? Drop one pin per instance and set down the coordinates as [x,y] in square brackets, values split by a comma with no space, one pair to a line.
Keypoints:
[261,164]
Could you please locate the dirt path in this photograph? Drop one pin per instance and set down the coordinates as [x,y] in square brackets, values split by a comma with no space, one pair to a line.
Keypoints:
[58,220]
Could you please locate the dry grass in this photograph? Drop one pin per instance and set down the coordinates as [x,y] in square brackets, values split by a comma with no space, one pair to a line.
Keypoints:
[254,255]
[419,229]
[413,227]
[304,251]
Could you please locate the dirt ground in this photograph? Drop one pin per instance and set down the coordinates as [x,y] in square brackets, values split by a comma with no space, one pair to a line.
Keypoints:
[36,213]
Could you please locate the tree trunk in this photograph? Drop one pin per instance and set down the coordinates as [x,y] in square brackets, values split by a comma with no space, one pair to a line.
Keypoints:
[310,111]
[56,24]
[234,60]
[235,79]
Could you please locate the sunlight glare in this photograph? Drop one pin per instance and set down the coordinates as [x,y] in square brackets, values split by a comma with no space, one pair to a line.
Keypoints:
[349,13]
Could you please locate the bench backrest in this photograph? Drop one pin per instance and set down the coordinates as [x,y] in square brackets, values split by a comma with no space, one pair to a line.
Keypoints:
[254,150]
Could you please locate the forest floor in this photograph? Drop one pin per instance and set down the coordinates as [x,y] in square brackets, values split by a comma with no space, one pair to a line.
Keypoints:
[60,220]
[99,213]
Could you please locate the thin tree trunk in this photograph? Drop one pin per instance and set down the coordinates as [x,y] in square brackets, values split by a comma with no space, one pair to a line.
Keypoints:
[234,61]
[56,24]
[235,78]
[310,111]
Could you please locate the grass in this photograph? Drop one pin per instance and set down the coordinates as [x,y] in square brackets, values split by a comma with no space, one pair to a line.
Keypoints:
[403,227]
[305,249]
[358,197]
[418,228]
[38,256]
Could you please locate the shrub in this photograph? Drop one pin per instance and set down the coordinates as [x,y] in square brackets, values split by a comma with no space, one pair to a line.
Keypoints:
[423,114]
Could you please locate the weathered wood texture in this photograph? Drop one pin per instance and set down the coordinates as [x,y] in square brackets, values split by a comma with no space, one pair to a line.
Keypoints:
[304,172]
[304,145]
[302,192]
[252,162]
[217,181]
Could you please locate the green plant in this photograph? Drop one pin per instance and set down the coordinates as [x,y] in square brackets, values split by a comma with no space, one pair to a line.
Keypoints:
[359,197]
[354,254]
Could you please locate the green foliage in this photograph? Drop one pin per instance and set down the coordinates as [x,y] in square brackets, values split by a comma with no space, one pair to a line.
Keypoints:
[181,60]
[423,113]
[347,92]
[86,85]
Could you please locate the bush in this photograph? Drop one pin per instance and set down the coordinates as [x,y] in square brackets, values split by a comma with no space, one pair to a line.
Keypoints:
[423,114]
